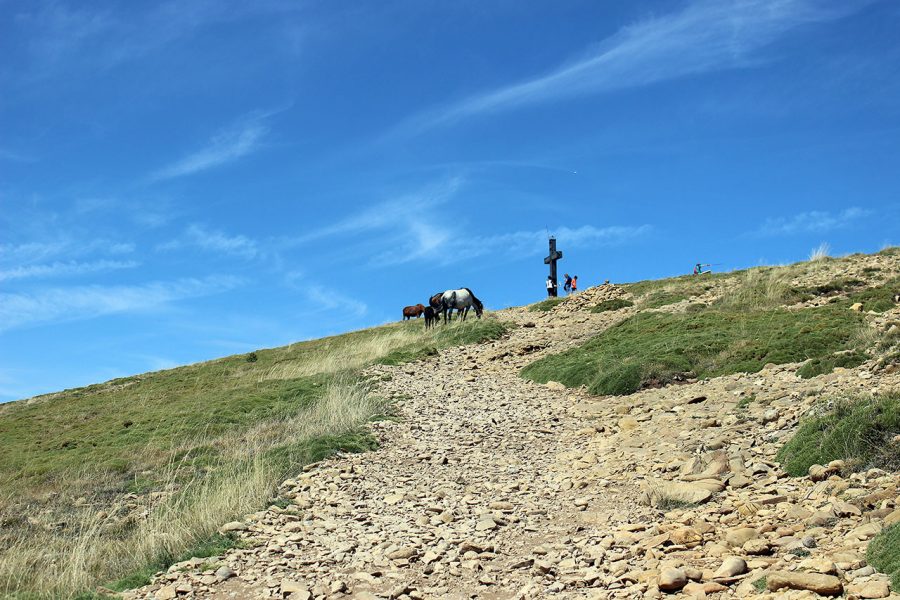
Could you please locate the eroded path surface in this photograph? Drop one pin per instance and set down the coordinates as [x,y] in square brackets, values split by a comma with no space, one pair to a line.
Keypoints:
[490,486]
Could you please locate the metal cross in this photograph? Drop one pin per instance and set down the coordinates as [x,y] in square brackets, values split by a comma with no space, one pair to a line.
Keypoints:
[554,256]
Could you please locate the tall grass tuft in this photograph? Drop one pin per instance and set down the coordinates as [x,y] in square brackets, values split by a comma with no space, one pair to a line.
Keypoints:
[758,289]
[820,252]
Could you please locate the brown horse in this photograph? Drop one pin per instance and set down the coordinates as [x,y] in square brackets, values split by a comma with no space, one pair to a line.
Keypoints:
[413,311]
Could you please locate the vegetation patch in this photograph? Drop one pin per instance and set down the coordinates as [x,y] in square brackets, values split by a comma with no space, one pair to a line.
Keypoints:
[883,553]
[693,285]
[827,364]
[613,304]
[214,545]
[879,298]
[746,401]
[659,348]
[835,286]
[664,298]
[859,431]
[199,445]
[545,305]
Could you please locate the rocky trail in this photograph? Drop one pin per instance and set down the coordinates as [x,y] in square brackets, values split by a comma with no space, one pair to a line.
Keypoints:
[491,486]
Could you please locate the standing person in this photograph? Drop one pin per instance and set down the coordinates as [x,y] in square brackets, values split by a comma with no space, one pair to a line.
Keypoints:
[574,284]
[551,287]
[568,285]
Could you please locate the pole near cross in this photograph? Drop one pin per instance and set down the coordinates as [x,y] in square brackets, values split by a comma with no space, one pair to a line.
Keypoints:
[551,259]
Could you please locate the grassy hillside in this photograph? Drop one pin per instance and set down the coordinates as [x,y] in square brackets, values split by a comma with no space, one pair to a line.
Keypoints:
[750,318]
[103,480]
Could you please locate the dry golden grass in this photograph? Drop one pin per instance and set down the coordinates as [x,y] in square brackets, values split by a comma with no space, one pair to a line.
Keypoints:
[760,288]
[56,564]
[338,357]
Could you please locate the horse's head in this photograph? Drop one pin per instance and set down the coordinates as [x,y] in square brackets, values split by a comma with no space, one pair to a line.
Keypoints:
[479,307]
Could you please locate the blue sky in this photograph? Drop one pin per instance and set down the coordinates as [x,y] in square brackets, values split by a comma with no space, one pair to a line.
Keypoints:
[186,180]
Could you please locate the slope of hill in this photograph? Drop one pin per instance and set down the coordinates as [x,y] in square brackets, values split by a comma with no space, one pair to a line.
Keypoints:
[492,478]
[104,480]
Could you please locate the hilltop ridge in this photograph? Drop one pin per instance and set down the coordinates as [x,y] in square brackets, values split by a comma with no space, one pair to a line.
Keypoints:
[580,448]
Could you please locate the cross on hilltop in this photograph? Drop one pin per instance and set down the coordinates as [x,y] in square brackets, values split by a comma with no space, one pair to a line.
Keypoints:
[554,256]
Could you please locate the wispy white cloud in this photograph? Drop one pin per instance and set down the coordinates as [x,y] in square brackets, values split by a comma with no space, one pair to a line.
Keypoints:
[29,253]
[404,211]
[531,243]
[328,299]
[811,222]
[403,225]
[64,269]
[19,310]
[228,145]
[707,35]
[413,228]
[198,236]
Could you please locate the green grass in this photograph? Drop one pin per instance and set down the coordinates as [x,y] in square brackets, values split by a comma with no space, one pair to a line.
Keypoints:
[883,553]
[827,364]
[760,584]
[657,348]
[457,334]
[218,435]
[613,304]
[858,431]
[215,545]
[545,305]
[693,284]
[842,284]
[745,402]
[664,298]
[879,298]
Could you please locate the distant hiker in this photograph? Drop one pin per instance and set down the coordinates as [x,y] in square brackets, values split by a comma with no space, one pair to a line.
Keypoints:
[551,287]
[574,283]
[606,282]
[698,269]
[568,284]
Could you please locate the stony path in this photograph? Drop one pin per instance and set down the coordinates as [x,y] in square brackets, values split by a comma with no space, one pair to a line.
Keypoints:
[490,486]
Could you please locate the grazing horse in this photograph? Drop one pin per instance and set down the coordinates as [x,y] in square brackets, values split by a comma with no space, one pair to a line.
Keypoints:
[462,300]
[435,303]
[431,317]
[413,311]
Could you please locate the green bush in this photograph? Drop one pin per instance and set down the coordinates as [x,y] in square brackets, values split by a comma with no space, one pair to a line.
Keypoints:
[878,299]
[545,305]
[614,304]
[827,364]
[857,431]
[883,553]
[664,298]
[660,347]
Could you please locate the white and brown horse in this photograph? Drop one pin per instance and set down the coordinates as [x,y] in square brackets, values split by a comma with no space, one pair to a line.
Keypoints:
[462,300]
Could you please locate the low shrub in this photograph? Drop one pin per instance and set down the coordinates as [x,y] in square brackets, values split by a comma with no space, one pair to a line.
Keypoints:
[613,304]
[883,553]
[827,364]
[665,298]
[545,305]
[859,431]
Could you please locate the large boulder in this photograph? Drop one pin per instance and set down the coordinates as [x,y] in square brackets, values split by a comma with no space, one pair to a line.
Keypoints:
[824,585]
